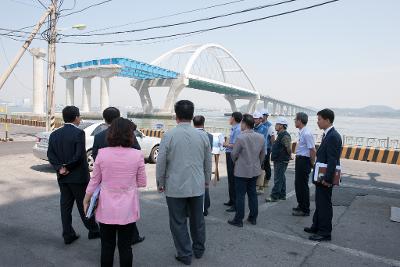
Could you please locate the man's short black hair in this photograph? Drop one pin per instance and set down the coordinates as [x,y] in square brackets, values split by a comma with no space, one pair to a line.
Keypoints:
[70,113]
[184,110]
[303,117]
[110,114]
[327,114]
[248,120]
[199,120]
[237,116]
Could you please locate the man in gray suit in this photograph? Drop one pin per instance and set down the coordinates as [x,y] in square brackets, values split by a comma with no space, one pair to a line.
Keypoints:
[248,153]
[183,171]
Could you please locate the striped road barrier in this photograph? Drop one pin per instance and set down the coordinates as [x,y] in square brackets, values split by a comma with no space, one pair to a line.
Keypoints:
[152,133]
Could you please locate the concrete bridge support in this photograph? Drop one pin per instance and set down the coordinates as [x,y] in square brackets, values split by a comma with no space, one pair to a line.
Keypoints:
[38,80]
[86,94]
[70,91]
[232,103]
[142,86]
[104,92]
[173,93]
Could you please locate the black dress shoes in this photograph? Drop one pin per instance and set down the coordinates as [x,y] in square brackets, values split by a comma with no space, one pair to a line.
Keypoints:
[229,203]
[252,221]
[198,255]
[296,209]
[320,238]
[235,223]
[139,240]
[310,230]
[205,212]
[70,240]
[231,209]
[93,235]
[300,213]
[184,260]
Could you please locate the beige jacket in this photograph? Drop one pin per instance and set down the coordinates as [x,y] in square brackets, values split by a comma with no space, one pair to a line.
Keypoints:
[248,153]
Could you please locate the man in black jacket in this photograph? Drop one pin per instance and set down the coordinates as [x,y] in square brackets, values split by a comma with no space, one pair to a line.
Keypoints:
[67,154]
[100,141]
[329,153]
[198,123]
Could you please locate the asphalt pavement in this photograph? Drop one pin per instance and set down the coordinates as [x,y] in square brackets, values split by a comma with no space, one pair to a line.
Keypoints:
[363,235]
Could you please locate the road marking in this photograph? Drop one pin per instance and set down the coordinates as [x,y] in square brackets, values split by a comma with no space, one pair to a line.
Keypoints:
[293,238]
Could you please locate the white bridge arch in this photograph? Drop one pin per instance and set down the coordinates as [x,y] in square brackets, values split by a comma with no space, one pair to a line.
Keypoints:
[221,73]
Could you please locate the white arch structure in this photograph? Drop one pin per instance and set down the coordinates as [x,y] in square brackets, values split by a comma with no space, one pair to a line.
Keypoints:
[189,78]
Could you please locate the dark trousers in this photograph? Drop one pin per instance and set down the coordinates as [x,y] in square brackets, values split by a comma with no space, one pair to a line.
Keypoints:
[279,189]
[230,166]
[135,233]
[267,165]
[207,201]
[322,220]
[71,193]
[303,169]
[243,186]
[108,234]
[179,209]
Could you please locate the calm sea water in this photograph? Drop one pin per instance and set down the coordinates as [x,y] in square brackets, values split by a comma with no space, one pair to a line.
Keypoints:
[350,126]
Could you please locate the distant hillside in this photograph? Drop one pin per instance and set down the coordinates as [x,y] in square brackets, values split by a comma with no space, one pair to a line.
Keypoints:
[369,111]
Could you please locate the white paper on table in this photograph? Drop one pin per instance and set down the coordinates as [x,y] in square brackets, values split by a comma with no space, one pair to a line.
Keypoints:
[93,202]
[218,143]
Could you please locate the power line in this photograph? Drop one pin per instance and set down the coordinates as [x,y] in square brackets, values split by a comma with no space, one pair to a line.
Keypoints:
[24,3]
[206,29]
[167,16]
[186,22]
[86,8]
[41,3]
[8,62]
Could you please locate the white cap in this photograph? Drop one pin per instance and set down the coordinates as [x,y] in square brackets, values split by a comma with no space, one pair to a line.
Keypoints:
[282,121]
[257,115]
[265,112]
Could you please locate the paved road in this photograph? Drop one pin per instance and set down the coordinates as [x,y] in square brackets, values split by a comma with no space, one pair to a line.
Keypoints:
[30,230]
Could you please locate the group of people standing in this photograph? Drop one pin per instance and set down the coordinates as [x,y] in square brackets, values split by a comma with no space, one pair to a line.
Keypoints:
[253,144]
[183,174]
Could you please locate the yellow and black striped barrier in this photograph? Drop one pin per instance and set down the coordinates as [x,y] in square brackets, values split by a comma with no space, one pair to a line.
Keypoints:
[371,154]
[152,133]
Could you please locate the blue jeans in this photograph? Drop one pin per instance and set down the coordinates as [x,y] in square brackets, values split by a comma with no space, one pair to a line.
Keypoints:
[243,186]
[279,189]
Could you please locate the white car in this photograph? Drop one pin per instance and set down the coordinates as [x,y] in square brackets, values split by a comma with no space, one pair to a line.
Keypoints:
[149,145]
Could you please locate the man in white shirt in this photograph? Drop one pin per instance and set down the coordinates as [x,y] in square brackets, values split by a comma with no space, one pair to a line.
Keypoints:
[305,159]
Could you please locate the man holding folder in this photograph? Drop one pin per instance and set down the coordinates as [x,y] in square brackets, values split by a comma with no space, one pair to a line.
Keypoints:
[328,153]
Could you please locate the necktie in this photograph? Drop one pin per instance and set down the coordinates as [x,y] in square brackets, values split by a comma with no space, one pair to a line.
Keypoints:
[323,136]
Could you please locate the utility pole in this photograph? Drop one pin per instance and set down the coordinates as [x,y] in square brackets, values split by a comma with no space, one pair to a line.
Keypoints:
[51,68]
[21,52]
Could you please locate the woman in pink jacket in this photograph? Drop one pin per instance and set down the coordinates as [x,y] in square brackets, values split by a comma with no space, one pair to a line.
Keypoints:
[119,170]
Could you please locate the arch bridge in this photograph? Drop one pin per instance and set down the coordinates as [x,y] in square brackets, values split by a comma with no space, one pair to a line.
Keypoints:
[207,67]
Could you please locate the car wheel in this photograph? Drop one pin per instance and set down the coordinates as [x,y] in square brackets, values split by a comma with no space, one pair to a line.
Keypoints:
[90,160]
[154,154]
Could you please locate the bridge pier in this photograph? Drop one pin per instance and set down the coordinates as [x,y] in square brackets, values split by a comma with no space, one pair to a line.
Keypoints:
[70,91]
[232,103]
[142,86]
[38,85]
[175,89]
[86,94]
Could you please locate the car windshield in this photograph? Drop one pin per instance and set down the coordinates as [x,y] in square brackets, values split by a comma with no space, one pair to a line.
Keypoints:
[84,125]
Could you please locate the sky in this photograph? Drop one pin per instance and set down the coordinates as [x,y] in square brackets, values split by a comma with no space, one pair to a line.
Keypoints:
[345,54]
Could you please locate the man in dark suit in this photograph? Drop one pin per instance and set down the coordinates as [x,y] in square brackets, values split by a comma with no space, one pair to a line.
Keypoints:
[329,153]
[198,123]
[100,141]
[67,154]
